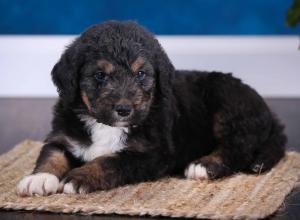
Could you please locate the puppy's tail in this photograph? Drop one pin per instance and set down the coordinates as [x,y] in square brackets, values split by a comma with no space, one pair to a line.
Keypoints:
[273,149]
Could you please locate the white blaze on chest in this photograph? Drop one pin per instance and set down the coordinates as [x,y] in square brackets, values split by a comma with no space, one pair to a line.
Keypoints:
[105,140]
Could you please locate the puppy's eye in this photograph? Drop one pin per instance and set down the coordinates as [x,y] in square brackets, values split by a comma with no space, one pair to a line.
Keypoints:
[100,76]
[140,75]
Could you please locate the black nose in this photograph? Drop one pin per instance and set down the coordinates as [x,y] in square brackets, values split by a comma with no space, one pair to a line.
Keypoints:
[123,110]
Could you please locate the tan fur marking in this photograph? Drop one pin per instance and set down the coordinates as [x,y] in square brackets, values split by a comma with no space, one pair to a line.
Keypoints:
[105,65]
[56,164]
[91,174]
[137,64]
[86,101]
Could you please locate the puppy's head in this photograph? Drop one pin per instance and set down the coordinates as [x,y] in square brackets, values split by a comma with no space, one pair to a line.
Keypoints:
[114,72]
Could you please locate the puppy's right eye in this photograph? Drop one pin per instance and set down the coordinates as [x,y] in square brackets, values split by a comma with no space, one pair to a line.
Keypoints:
[100,76]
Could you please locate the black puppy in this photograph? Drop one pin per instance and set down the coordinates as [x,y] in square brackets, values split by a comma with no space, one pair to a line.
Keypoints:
[124,115]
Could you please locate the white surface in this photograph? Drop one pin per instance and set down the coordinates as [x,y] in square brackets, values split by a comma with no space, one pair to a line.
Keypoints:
[269,64]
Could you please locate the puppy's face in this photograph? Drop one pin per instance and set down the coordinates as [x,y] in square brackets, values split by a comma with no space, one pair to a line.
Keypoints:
[112,71]
[118,93]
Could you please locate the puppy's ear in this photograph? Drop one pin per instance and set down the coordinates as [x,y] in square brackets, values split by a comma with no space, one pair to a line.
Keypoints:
[65,75]
[165,77]
[165,71]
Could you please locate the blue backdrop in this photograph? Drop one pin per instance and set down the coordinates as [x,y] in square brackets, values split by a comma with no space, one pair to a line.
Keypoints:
[226,17]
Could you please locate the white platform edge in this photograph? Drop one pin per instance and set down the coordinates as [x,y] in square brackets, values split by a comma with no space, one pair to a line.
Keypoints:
[270,64]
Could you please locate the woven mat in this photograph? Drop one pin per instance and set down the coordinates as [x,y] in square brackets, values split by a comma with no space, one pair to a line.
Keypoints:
[237,197]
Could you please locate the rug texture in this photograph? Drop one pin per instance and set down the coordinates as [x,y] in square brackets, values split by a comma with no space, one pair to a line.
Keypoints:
[238,197]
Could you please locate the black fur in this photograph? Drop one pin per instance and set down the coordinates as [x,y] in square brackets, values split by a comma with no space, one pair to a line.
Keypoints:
[178,116]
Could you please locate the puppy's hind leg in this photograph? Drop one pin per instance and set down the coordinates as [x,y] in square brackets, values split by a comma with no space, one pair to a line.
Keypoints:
[237,138]
[271,151]
[211,166]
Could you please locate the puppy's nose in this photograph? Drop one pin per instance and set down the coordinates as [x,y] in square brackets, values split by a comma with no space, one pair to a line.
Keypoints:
[123,110]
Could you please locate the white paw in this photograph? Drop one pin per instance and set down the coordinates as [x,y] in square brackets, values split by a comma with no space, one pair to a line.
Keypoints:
[196,171]
[69,188]
[38,184]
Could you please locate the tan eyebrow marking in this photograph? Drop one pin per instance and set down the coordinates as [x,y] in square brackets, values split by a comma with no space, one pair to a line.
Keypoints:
[105,65]
[86,101]
[137,64]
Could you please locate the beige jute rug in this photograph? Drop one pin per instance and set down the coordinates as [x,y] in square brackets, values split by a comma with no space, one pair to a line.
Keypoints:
[238,197]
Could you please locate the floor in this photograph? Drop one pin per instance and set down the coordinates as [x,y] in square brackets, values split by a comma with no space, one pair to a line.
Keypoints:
[22,118]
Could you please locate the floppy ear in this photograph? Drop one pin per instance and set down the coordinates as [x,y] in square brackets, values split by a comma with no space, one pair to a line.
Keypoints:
[65,75]
[166,71]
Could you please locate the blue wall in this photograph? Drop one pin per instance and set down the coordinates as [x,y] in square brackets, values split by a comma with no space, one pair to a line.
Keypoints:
[226,17]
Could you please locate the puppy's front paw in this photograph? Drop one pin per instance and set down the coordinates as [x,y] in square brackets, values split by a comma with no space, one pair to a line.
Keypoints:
[74,187]
[79,181]
[38,184]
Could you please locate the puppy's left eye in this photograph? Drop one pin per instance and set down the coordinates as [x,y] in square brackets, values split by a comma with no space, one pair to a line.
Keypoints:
[140,75]
[100,76]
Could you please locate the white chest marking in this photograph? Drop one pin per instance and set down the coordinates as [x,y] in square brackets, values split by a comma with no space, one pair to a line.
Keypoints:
[105,140]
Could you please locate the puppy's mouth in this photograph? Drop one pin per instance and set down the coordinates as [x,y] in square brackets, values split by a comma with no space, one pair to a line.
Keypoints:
[121,121]
[121,124]
[115,123]
[115,120]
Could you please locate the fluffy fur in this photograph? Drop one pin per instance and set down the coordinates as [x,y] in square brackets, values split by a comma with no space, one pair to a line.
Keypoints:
[105,140]
[125,115]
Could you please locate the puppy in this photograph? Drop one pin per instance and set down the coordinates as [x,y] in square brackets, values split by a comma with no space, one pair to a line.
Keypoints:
[125,115]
